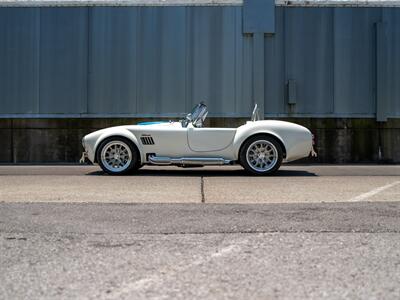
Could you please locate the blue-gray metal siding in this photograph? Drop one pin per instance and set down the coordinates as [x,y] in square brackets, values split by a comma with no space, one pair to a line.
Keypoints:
[354,61]
[19,60]
[392,76]
[112,82]
[309,60]
[144,61]
[63,60]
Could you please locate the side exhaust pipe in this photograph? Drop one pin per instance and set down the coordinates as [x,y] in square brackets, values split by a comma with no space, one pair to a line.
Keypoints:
[187,161]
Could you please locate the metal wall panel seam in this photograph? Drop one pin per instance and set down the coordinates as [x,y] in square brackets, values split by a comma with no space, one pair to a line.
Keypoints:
[235,63]
[333,59]
[38,60]
[160,63]
[381,68]
[85,104]
[189,60]
[186,59]
[258,72]
[285,70]
[138,18]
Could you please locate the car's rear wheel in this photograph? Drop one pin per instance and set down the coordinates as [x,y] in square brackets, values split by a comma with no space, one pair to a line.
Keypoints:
[261,155]
[118,156]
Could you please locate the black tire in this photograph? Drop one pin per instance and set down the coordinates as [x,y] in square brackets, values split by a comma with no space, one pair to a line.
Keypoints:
[135,163]
[251,169]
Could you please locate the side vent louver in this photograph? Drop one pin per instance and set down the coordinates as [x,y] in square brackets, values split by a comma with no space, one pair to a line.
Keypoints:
[147,140]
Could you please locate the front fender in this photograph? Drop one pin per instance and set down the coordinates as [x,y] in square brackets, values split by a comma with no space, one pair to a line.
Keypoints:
[121,132]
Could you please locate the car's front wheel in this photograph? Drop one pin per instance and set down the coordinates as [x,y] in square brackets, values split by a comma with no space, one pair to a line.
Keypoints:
[261,155]
[118,156]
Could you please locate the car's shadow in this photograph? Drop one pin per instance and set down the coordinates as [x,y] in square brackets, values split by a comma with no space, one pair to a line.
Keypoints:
[207,173]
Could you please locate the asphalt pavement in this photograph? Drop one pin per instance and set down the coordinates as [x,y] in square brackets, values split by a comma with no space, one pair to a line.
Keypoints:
[311,232]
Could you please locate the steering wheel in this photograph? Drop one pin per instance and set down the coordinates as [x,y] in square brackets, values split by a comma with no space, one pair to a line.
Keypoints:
[255,116]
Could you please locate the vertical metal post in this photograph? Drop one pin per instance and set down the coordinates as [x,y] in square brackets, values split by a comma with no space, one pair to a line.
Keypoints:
[381,72]
[258,19]
[258,72]
[85,102]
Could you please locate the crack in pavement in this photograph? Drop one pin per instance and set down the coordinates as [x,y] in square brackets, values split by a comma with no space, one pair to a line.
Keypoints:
[203,196]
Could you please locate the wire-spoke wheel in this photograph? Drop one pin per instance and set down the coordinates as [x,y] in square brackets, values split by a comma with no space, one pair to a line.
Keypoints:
[118,156]
[261,155]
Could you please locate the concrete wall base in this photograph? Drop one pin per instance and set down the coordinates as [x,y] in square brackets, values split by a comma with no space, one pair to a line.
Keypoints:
[337,140]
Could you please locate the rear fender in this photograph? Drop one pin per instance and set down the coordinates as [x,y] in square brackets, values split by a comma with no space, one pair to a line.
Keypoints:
[242,135]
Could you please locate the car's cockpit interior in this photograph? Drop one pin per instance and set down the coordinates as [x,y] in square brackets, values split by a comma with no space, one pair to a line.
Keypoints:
[196,117]
[199,114]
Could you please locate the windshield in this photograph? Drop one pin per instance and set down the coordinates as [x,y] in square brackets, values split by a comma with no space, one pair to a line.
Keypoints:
[197,116]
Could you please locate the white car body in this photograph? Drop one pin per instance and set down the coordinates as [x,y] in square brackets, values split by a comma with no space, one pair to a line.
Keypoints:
[174,141]
[259,146]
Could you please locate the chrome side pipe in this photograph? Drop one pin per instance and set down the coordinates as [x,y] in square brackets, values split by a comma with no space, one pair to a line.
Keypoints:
[187,161]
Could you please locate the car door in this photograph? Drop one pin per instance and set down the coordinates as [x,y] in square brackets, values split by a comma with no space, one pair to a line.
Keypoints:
[210,139]
[167,140]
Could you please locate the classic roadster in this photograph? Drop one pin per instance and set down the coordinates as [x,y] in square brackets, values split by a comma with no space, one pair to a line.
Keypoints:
[259,146]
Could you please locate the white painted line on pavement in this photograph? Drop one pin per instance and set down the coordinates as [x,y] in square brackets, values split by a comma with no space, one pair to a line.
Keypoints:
[369,194]
[146,282]
[225,251]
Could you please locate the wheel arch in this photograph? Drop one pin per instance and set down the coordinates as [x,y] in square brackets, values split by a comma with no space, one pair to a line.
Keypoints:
[277,138]
[124,135]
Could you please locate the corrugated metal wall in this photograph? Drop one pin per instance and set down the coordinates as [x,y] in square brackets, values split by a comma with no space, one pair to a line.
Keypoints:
[142,61]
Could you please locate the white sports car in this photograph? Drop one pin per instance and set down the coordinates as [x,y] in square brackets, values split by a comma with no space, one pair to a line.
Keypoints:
[259,146]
